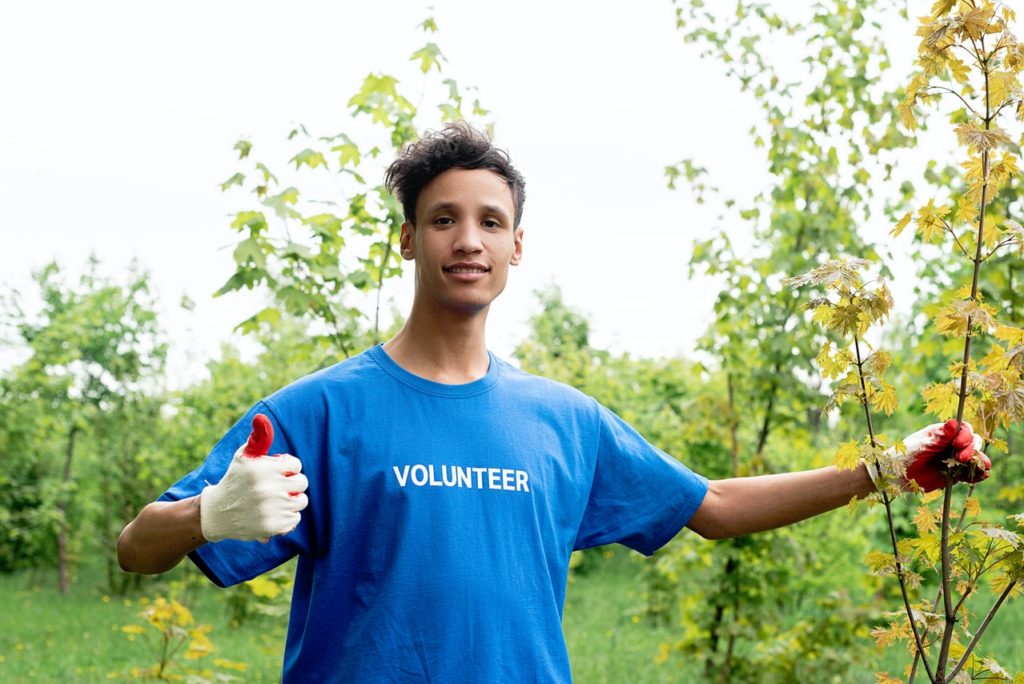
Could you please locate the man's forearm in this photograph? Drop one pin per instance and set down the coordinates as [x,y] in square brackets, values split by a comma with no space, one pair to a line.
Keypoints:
[160,536]
[744,505]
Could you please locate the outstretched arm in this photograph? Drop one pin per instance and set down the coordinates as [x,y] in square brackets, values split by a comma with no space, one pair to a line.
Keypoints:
[744,505]
[930,457]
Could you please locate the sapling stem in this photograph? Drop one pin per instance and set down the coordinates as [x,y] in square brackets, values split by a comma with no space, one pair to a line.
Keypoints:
[981,630]
[947,635]
[888,513]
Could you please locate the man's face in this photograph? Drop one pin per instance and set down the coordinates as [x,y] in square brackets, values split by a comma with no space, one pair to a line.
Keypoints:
[463,241]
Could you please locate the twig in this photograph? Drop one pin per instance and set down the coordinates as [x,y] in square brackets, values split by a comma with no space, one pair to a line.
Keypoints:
[958,243]
[953,92]
[981,630]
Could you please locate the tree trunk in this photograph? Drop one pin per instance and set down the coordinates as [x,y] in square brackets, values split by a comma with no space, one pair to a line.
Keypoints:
[63,582]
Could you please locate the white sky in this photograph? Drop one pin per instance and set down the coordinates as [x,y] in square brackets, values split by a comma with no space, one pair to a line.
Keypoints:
[117,121]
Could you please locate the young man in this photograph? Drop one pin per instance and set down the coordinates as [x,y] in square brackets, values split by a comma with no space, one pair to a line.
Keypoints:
[446,488]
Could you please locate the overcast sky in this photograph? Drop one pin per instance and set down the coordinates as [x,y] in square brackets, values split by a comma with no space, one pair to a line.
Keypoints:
[117,121]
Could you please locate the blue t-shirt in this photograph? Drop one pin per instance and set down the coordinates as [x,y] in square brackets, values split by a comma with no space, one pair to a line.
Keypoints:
[441,518]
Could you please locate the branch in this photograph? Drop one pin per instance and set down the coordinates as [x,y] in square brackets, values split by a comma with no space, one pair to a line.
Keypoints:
[1002,243]
[958,243]
[953,92]
[981,630]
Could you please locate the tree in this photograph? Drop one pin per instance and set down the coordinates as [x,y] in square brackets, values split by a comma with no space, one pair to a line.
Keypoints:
[92,350]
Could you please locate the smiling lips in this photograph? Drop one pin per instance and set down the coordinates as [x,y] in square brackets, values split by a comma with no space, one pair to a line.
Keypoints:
[466,270]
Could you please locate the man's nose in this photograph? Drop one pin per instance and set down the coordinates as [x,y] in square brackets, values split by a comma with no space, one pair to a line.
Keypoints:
[468,239]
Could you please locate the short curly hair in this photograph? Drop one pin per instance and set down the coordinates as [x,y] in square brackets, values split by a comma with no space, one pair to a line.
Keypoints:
[457,146]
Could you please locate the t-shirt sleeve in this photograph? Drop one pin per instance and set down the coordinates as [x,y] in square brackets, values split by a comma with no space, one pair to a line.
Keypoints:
[640,497]
[231,561]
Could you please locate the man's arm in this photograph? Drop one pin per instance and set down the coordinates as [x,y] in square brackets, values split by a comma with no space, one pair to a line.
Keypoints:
[260,496]
[161,535]
[930,457]
[744,505]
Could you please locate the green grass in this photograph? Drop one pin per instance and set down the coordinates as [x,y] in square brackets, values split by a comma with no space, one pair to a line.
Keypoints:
[609,642]
[45,637]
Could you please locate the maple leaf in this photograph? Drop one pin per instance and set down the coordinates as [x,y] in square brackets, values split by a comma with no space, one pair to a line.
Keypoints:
[925,520]
[885,399]
[976,22]
[979,139]
[1002,85]
[905,111]
[942,7]
[931,221]
[847,455]
[941,400]
[901,224]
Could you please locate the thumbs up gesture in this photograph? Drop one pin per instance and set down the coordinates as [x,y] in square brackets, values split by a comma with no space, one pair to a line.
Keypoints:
[260,496]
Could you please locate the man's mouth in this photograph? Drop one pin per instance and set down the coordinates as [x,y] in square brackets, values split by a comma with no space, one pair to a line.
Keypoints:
[465,268]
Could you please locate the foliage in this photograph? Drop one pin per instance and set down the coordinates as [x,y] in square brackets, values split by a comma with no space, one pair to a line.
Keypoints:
[958,551]
[175,629]
[92,351]
[324,240]
[827,127]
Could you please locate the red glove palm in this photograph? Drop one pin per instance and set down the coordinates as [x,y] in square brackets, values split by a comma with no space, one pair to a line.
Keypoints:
[945,447]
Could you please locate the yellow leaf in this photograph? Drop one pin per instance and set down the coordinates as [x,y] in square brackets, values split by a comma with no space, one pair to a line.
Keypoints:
[264,588]
[833,366]
[942,7]
[929,546]
[976,21]
[925,520]
[931,221]
[979,139]
[905,110]
[960,71]
[901,224]
[1009,334]
[880,562]
[846,457]
[941,400]
[886,637]
[1001,86]
[133,629]
[885,399]
[991,234]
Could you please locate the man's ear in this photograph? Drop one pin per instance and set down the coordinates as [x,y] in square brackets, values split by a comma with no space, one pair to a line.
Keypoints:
[517,253]
[405,242]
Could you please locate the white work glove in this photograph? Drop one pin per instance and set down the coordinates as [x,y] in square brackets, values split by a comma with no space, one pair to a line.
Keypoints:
[259,496]
[930,453]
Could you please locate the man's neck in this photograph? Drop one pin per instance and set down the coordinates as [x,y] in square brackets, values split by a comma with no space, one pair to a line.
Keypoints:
[448,348]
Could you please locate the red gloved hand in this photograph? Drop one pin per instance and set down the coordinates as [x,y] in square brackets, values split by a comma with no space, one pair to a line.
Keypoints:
[943,447]
[260,496]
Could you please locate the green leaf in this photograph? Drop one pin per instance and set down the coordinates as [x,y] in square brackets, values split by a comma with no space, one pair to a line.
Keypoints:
[249,250]
[429,56]
[243,147]
[237,179]
[255,221]
[310,158]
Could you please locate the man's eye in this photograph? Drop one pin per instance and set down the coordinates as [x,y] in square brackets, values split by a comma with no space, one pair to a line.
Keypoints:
[444,220]
[491,223]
